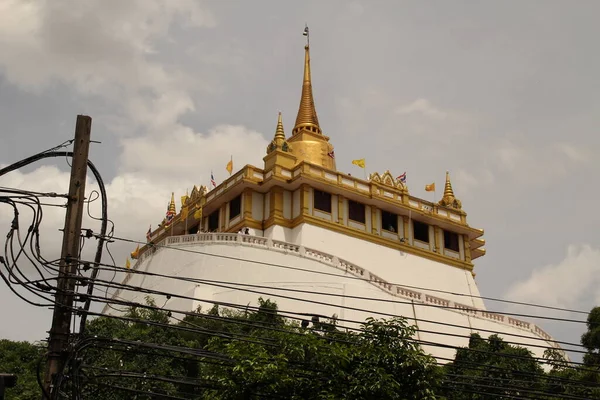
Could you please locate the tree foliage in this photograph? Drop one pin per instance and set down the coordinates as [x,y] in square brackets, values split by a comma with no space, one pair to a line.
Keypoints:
[492,368]
[223,354]
[21,359]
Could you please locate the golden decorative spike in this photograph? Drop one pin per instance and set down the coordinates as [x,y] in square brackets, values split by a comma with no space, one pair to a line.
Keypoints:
[307,114]
[172,204]
[448,199]
[448,192]
[279,134]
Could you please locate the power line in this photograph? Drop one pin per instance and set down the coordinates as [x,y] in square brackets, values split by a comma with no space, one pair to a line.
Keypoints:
[158,246]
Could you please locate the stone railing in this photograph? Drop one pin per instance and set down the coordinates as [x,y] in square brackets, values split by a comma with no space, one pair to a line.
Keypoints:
[342,265]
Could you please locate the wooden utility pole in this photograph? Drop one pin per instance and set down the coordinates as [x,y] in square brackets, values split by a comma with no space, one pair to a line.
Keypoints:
[69,258]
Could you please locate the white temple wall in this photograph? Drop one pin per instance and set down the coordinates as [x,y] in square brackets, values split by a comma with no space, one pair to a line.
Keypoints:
[339,301]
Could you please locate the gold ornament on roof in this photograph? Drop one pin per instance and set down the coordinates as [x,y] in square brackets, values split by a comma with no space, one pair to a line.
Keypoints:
[387,179]
[448,199]
[172,207]
[198,192]
[278,141]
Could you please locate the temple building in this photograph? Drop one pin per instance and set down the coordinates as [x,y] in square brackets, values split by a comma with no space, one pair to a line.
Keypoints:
[320,243]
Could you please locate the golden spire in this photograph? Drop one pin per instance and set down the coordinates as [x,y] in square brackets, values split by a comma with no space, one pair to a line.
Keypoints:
[448,199]
[307,115]
[448,192]
[279,134]
[172,204]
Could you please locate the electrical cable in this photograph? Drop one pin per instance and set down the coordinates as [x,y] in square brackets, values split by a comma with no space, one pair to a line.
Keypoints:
[158,246]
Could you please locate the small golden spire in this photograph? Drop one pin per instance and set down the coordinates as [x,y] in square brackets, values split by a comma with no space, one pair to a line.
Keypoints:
[448,192]
[307,114]
[172,204]
[279,133]
[448,199]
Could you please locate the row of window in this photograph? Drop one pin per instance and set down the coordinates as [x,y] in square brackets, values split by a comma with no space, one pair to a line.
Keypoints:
[356,212]
[389,221]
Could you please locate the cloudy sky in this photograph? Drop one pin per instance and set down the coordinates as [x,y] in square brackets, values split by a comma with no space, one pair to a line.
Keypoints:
[505,95]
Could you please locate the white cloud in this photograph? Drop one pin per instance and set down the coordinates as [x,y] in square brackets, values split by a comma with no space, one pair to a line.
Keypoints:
[191,156]
[574,282]
[535,163]
[466,183]
[104,49]
[96,45]
[424,107]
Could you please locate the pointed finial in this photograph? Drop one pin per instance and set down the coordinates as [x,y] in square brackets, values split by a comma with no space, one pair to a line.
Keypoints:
[307,115]
[279,133]
[448,192]
[172,203]
[448,199]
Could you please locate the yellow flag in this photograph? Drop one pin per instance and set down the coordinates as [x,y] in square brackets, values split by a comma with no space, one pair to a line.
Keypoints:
[198,213]
[229,166]
[136,252]
[359,162]
[184,213]
[183,200]
[430,187]
[127,263]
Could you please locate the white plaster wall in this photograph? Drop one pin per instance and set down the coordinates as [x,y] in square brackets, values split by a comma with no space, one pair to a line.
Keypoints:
[394,266]
[258,206]
[436,325]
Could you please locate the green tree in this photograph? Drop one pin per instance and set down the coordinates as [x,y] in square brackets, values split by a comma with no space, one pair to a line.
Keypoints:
[489,368]
[224,354]
[21,358]
[591,340]
[583,380]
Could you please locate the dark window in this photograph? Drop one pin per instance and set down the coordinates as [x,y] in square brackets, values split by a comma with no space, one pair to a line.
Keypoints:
[213,221]
[421,231]
[356,211]
[194,229]
[451,241]
[235,207]
[389,221]
[322,201]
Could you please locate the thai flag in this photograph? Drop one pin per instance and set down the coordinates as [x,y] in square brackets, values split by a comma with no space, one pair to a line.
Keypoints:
[212,180]
[402,178]
[170,216]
